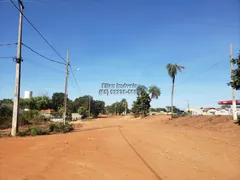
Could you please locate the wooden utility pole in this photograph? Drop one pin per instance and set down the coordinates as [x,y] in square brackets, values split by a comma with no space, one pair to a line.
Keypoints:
[65,94]
[233,91]
[89,106]
[18,75]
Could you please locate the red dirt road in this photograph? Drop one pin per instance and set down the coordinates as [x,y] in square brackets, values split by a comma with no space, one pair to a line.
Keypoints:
[121,148]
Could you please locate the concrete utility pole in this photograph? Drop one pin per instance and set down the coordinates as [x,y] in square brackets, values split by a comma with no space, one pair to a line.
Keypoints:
[18,75]
[66,85]
[234,108]
[188,105]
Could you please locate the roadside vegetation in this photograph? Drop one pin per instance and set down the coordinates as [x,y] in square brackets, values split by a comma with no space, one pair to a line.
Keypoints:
[48,129]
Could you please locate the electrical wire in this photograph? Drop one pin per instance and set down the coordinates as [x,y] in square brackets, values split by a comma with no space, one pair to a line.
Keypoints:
[7,57]
[42,55]
[37,63]
[74,77]
[8,44]
[37,31]
[207,69]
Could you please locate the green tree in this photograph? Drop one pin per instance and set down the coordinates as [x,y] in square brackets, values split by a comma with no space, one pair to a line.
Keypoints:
[42,102]
[36,103]
[172,72]
[158,109]
[136,107]
[5,116]
[124,105]
[83,111]
[235,78]
[57,100]
[141,88]
[7,101]
[109,109]
[97,108]
[142,105]
[154,91]
[60,112]
[82,102]
[145,103]
[175,109]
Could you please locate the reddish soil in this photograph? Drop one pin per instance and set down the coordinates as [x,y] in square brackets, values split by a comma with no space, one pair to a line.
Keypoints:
[120,148]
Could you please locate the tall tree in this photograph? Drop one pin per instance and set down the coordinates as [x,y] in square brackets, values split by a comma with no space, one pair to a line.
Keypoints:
[141,88]
[7,101]
[82,102]
[154,91]
[172,72]
[136,107]
[97,108]
[141,105]
[57,100]
[235,79]
[125,105]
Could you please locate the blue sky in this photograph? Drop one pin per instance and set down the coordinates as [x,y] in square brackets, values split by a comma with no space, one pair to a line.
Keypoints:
[127,41]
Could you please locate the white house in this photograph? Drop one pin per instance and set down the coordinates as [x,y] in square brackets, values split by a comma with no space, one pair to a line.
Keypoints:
[212,111]
[76,116]
[195,111]
[223,112]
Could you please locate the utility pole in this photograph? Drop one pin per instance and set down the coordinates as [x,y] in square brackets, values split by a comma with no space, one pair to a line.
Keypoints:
[18,75]
[188,105]
[89,106]
[233,91]
[65,94]
[126,108]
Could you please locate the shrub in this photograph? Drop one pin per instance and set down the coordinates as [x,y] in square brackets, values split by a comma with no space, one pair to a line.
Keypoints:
[36,131]
[53,128]
[83,111]
[5,117]
[175,115]
[31,117]
[32,131]
[60,127]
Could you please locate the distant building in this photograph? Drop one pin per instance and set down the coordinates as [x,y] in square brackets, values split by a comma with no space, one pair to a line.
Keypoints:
[194,111]
[47,112]
[76,116]
[223,112]
[28,94]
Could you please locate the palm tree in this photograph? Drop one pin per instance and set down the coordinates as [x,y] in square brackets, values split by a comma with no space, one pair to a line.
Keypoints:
[172,72]
[154,91]
[141,88]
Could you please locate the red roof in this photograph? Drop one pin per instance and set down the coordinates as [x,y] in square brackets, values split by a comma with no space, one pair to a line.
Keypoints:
[47,110]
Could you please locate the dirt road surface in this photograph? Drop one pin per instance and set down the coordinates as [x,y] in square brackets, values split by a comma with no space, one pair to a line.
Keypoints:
[122,148]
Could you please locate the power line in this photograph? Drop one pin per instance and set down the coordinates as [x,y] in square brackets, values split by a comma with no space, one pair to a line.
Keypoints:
[38,31]
[74,77]
[207,69]
[37,63]
[8,44]
[7,57]
[42,55]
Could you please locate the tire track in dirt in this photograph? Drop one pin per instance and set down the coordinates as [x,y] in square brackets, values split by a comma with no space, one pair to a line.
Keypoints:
[148,166]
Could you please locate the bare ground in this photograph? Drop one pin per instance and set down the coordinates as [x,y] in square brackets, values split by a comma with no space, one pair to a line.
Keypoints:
[120,148]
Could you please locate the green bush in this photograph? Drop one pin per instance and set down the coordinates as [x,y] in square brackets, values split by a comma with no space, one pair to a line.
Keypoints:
[53,128]
[36,131]
[32,131]
[60,127]
[83,111]
[175,115]
[5,117]
[31,117]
